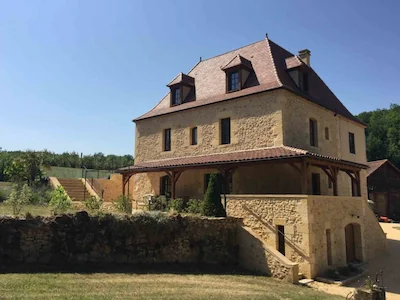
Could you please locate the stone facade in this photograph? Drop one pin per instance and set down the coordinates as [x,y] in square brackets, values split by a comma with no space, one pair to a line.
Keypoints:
[77,239]
[305,220]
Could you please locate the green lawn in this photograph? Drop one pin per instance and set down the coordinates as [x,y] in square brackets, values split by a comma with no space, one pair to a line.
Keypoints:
[63,172]
[150,286]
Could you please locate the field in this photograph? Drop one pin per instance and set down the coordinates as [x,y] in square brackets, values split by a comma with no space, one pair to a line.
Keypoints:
[150,286]
[61,172]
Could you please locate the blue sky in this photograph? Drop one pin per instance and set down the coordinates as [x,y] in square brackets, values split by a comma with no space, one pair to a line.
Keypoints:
[74,73]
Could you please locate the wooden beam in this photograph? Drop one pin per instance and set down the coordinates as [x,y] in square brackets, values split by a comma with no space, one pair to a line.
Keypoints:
[174,176]
[304,177]
[334,172]
[297,168]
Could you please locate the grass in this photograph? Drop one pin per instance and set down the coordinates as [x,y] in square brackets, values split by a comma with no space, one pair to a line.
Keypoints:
[35,210]
[150,286]
[63,172]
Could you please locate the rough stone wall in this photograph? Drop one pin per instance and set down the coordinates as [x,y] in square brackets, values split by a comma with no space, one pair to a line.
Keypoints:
[113,187]
[256,255]
[262,213]
[335,213]
[141,238]
[256,122]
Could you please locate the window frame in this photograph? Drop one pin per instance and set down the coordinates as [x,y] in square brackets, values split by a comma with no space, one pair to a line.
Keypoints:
[225,137]
[167,140]
[313,132]
[173,95]
[228,80]
[352,143]
[193,136]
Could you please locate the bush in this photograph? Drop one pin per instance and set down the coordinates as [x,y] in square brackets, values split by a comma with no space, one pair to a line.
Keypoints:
[41,195]
[19,197]
[123,204]
[160,203]
[194,206]
[177,205]
[3,196]
[94,204]
[59,202]
[212,206]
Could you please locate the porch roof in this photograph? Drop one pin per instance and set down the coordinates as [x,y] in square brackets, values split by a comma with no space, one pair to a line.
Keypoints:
[222,159]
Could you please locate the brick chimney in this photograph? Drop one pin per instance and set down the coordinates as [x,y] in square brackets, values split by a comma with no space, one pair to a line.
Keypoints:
[305,56]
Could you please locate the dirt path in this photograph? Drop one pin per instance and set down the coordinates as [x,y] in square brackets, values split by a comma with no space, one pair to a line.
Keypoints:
[389,263]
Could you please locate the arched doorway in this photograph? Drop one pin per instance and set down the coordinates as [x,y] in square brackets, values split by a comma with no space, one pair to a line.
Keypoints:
[353,243]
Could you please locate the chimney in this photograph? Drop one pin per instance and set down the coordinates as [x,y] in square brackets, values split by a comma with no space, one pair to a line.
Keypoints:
[305,56]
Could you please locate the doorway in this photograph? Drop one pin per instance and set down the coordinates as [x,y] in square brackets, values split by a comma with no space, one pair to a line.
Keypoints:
[165,186]
[353,243]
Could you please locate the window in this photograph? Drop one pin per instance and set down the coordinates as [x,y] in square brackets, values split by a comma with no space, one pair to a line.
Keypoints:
[193,136]
[167,139]
[316,186]
[313,133]
[165,186]
[326,133]
[176,96]
[352,144]
[233,81]
[300,79]
[225,131]
[281,239]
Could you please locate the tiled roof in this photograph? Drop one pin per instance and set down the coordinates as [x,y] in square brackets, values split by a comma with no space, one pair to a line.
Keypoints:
[182,78]
[270,63]
[375,165]
[264,154]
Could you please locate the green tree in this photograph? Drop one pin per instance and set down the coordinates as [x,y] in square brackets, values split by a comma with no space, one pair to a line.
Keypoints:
[212,205]
[59,202]
[19,196]
[383,133]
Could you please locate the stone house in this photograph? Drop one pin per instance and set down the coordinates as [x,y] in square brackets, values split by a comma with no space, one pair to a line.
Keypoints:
[383,179]
[291,157]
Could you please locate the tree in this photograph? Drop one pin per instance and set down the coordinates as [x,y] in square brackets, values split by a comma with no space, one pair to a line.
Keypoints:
[212,205]
[383,133]
[19,197]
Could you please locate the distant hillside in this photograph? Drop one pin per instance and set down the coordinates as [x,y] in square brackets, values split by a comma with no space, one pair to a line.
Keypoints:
[63,172]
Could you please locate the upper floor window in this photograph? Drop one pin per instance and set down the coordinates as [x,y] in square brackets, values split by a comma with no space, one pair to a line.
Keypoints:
[313,133]
[167,139]
[326,133]
[225,131]
[233,81]
[176,96]
[300,78]
[193,136]
[352,144]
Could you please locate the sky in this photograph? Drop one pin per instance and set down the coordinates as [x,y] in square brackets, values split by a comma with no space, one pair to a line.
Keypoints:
[74,73]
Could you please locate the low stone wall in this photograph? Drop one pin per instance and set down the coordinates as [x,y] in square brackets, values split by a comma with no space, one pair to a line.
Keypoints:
[107,207]
[141,238]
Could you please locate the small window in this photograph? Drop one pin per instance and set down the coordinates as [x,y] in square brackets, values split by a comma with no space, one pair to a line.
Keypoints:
[352,144]
[313,133]
[281,239]
[193,136]
[327,133]
[316,184]
[176,96]
[233,81]
[167,139]
[225,131]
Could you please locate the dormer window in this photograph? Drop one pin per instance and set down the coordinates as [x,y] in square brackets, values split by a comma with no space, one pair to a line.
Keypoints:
[182,89]
[237,70]
[233,81]
[300,78]
[176,96]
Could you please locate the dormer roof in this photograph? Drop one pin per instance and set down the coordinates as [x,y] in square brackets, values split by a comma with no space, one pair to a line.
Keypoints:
[182,78]
[237,61]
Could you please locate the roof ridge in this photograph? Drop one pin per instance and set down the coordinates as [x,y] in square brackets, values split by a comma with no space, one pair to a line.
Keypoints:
[273,62]
[232,50]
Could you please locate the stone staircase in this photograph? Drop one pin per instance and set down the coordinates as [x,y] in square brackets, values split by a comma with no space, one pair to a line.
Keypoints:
[75,189]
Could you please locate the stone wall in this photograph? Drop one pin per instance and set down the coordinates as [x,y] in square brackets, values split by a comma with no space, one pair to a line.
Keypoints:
[263,213]
[141,238]
[256,122]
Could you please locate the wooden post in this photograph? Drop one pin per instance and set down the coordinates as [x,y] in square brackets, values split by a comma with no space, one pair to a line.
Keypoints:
[123,184]
[227,173]
[174,176]
[358,182]
[335,172]
[304,175]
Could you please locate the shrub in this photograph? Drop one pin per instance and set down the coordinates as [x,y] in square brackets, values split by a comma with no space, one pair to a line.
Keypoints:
[212,206]
[177,205]
[194,206]
[3,196]
[18,198]
[59,202]
[160,203]
[123,204]
[94,204]
[41,195]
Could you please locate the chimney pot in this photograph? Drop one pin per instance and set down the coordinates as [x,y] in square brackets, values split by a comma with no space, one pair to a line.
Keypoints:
[305,56]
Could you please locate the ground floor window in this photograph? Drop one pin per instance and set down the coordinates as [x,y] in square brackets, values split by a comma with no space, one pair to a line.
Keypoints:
[281,239]
[165,186]
[316,183]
